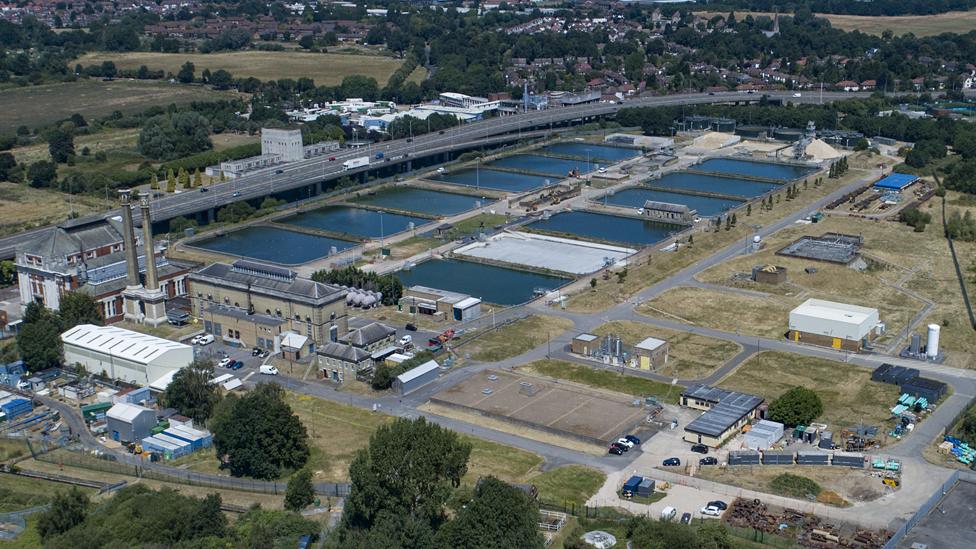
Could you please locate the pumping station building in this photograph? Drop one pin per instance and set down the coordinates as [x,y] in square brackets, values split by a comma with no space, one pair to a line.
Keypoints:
[834,325]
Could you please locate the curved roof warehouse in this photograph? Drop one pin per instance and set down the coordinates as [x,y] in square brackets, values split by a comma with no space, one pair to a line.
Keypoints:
[123,354]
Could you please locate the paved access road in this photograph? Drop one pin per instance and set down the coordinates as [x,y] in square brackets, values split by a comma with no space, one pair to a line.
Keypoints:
[501,129]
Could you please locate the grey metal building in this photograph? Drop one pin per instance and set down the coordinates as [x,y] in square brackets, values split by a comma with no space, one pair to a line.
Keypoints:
[130,422]
[411,380]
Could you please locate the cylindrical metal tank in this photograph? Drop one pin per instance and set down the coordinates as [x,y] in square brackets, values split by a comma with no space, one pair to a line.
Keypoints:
[932,345]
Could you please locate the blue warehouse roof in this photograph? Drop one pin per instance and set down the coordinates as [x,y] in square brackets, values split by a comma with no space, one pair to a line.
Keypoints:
[896,181]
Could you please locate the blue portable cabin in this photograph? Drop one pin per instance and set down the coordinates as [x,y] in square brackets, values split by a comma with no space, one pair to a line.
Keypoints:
[159,446]
[631,486]
[197,439]
[182,447]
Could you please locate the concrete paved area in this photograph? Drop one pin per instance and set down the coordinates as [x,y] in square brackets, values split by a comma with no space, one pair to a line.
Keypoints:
[950,524]
[546,252]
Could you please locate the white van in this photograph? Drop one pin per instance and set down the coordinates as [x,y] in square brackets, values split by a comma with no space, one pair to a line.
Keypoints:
[268,369]
[668,514]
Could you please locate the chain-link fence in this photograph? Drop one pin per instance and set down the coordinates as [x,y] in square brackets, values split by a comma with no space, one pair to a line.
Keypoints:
[935,498]
[135,467]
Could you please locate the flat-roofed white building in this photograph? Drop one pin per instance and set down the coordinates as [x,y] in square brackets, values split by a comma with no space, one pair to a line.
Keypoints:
[832,324]
[123,354]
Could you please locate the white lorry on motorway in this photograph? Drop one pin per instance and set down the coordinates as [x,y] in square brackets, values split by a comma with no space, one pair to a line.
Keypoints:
[355,163]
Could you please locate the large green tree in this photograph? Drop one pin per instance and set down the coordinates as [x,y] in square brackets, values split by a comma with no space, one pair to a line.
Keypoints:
[401,481]
[300,492]
[67,510]
[79,308]
[176,135]
[60,144]
[39,338]
[798,406]
[499,516]
[192,391]
[258,435]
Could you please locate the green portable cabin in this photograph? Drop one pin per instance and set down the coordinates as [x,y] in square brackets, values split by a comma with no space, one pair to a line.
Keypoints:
[91,412]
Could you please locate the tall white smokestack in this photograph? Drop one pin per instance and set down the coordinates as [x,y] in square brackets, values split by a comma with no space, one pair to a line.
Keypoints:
[932,345]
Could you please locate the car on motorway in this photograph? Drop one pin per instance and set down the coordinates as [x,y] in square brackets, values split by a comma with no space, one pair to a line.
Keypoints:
[711,511]
[708,461]
[672,462]
[686,518]
[615,450]
[279,172]
[797,94]
[699,448]
[237,365]
[633,438]
[409,140]
[331,159]
[625,443]
[204,190]
[719,504]
[225,362]
[236,194]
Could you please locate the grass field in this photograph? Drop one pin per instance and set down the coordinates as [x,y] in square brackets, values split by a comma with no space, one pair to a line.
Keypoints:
[18,492]
[568,484]
[919,25]
[41,105]
[516,338]
[690,356]
[848,394]
[326,69]
[602,379]
[24,207]
[918,262]
[643,271]
[762,316]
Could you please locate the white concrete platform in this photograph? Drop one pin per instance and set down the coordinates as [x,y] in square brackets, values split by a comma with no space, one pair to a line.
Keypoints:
[548,252]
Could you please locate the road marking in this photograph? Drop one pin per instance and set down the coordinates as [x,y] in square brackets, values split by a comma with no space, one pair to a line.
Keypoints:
[248,376]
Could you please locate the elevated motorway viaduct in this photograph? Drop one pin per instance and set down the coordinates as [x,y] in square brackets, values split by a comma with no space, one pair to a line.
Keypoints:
[313,172]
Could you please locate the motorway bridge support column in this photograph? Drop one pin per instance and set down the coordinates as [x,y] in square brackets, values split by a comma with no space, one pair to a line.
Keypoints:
[211,215]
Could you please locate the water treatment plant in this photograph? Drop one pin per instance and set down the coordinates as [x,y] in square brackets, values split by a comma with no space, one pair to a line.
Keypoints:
[645,198]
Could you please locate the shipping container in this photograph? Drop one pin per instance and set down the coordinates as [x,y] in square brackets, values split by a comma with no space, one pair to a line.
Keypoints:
[631,486]
[744,458]
[777,458]
[812,458]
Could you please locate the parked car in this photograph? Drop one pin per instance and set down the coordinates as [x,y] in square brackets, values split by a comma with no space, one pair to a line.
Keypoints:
[225,362]
[686,518]
[256,351]
[265,353]
[205,339]
[711,511]
[708,461]
[672,462]
[721,505]
[625,443]
[633,438]
[196,339]
[405,340]
[410,327]
[699,448]
[268,369]
[237,365]
[615,450]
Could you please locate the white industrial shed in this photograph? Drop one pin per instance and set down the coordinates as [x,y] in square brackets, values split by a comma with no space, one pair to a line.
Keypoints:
[124,354]
[837,325]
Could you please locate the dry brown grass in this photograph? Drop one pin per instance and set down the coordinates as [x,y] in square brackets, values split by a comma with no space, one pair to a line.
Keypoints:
[326,69]
[919,25]
[41,105]
[840,485]
[848,394]
[24,207]
[761,316]
[519,337]
[690,356]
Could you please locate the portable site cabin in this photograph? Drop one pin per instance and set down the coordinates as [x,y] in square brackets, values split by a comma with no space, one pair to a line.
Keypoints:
[631,486]
[763,434]
[129,422]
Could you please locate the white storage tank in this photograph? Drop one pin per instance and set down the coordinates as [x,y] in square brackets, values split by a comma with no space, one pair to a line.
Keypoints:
[932,345]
